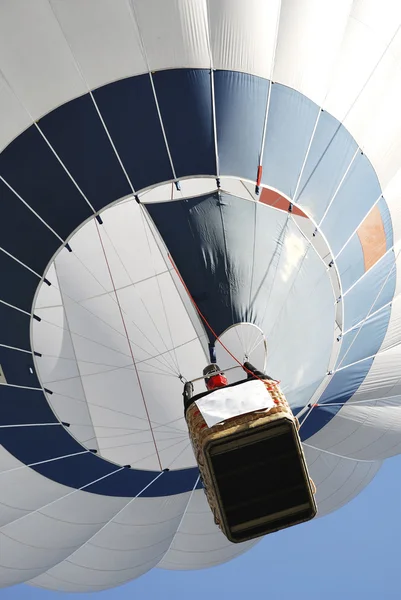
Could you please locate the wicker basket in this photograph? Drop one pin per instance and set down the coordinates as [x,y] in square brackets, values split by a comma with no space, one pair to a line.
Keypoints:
[203,436]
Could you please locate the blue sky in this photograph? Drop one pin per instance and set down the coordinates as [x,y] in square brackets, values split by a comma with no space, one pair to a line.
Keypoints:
[353,553]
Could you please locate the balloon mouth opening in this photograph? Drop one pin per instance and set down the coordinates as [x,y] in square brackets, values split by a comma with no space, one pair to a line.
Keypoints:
[90,361]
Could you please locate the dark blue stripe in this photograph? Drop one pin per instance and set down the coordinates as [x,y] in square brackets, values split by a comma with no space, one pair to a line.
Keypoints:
[366,339]
[185,100]
[213,254]
[20,405]
[291,120]
[125,484]
[34,444]
[351,262]
[19,284]
[357,194]
[80,140]
[372,292]
[341,388]
[22,234]
[14,328]
[16,365]
[129,110]
[31,168]
[201,264]
[330,154]
[241,101]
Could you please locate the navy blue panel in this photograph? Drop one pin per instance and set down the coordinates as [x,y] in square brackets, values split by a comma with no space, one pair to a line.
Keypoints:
[20,405]
[81,470]
[292,118]
[18,284]
[31,168]
[122,482]
[34,444]
[386,218]
[219,281]
[329,156]
[129,110]
[341,388]
[366,339]
[185,102]
[14,327]
[16,365]
[131,482]
[357,194]
[372,292]
[241,101]
[76,471]
[182,480]
[80,140]
[351,262]
[23,235]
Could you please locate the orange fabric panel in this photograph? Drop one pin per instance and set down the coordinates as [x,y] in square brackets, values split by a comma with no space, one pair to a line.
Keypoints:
[275,199]
[372,237]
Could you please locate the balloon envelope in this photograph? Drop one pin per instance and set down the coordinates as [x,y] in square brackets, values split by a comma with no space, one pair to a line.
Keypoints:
[133,137]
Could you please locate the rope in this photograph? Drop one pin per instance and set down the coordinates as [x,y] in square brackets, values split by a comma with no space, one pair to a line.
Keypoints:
[130,348]
[208,324]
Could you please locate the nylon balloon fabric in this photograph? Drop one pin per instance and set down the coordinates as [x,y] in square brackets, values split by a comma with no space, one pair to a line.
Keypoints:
[158,161]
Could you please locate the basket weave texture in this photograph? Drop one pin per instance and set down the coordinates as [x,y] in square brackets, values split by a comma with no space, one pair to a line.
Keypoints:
[200,434]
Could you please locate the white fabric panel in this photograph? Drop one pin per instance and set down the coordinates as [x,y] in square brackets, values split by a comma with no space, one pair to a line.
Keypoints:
[301,307]
[40,541]
[375,119]
[30,540]
[130,247]
[35,58]
[370,433]
[243,35]
[369,32]
[174,33]
[337,479]
[13,501]
[199,543]
[310,35]
[17,118]
[393,334]
[244,339]
[102,38]
[383,379]
[48,335]
[148,326]
[392,194]
[88,264]
[101,335]
[15,480]
[62,366]
[126,547]
[194,186]
[48,296]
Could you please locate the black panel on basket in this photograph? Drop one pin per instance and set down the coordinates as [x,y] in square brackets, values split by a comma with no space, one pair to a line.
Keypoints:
[261,480]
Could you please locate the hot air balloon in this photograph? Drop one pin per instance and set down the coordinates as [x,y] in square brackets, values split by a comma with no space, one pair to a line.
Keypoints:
[241,157]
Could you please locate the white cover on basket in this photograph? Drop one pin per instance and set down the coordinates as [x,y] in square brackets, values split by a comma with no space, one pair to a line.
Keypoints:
[228,402]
